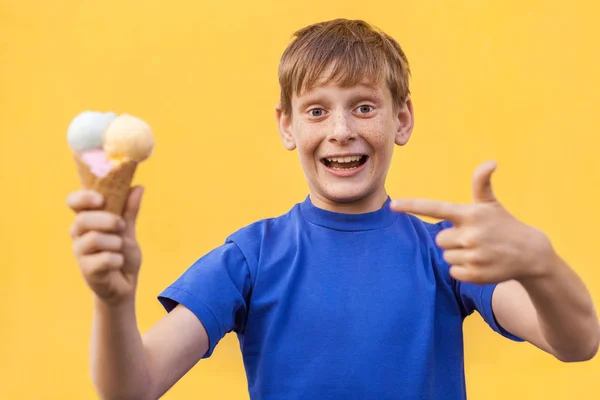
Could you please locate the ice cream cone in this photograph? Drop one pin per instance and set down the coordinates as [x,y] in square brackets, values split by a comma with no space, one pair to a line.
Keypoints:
[114,186]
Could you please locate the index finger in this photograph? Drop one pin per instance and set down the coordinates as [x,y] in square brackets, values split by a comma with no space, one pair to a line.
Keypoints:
[429,208]
[84,200]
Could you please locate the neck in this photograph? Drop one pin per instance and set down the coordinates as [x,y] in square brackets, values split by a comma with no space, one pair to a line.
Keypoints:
[370,203]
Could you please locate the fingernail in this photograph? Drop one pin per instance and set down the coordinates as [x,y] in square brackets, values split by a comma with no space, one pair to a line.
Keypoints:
[121,225]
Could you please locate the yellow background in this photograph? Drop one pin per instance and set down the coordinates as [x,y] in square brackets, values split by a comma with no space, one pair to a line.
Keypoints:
[515,81]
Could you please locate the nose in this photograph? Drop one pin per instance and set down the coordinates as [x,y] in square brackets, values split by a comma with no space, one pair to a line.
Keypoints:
[341,131]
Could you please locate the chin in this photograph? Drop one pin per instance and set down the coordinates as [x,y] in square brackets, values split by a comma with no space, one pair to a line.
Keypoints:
[347,194]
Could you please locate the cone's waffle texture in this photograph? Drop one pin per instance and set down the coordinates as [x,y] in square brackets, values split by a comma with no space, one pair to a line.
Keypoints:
[114,186]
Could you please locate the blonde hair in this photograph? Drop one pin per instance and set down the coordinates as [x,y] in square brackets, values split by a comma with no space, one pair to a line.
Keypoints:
[353,49]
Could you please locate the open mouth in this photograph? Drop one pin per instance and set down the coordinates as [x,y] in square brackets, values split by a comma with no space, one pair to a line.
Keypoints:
[345,163]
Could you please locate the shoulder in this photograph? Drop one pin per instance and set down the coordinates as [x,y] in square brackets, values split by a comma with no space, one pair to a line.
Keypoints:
[423,235]
[264,228]
[434,228]
[252,238]
[425,231]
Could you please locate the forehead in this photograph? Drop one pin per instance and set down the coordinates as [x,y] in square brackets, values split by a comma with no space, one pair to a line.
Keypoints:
[366,86]
[340,76]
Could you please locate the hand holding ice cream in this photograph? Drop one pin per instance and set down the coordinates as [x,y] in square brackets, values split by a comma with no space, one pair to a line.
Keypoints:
[107,149]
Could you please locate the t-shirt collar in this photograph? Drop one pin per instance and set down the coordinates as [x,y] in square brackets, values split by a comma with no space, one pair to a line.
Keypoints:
[348,222]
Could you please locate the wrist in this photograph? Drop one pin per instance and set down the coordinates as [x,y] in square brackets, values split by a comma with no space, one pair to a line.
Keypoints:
[541,262]
[113,304]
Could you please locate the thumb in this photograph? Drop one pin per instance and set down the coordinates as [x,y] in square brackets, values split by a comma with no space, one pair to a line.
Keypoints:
[132,209]
[482,183]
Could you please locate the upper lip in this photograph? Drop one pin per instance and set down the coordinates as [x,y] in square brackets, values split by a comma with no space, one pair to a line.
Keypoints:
[343,155]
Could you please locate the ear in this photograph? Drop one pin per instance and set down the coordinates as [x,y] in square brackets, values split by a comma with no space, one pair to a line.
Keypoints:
[405,121]
[284,122]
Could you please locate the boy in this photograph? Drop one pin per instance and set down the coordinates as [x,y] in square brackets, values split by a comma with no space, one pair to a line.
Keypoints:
[346,295]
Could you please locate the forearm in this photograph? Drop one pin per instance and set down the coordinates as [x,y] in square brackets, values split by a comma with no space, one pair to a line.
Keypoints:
[565,311]
[118,361]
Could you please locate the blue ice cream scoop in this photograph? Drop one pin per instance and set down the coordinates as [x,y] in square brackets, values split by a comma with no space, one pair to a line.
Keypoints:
[86,130]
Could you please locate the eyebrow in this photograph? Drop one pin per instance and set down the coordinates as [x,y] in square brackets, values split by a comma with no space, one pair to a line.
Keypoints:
[372,95]
[314,98]
[368,92]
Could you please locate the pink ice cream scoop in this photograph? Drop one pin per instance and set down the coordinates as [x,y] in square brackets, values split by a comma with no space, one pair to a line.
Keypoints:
[98,162]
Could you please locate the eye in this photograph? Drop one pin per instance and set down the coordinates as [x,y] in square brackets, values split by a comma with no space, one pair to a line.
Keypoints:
[316,112]
[365,109]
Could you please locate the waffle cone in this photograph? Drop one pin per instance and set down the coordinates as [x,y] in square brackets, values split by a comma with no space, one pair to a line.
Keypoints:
[114,186]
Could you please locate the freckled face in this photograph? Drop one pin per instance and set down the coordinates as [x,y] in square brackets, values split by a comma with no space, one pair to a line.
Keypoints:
[345,140]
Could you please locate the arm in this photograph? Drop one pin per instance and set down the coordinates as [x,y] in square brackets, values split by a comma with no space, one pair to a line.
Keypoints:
[123,364]
[553,311]
[118,364]
[126,365]
[539,297]
[173,346]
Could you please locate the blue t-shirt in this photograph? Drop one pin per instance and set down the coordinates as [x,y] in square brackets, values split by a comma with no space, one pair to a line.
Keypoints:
[337,306]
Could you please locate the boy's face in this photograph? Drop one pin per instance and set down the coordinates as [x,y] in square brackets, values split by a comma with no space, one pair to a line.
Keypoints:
[345,139]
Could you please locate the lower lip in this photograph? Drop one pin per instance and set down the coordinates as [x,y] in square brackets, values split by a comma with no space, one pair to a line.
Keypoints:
[345,173]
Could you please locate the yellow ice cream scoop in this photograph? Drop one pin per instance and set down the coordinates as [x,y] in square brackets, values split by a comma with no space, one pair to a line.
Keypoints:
[128,138]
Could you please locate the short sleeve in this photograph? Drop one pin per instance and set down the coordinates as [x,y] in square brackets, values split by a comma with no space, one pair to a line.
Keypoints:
[474,297]
[216,289]
[479,297]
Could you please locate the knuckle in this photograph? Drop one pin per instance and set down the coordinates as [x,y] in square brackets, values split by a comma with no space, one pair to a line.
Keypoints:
[471,238]
[73,232]
[118,259]
[78,200]
[475,274]
[468,241]
[98,241]
[469,214]
[450,208]
[445,237]
[105,259]
[115,222]
[104,220]
[118,242]
[72,200]
[474,258]
[79,221]
[478,212]
[447,255]
[440,238]
[130,241]
[478,237]
[89,242]
[107,221]
[76,247]
[94,270]
[470,258]
[483,258]
[439,241]
[93,238]
[110,259]
[88,265]
[98,264]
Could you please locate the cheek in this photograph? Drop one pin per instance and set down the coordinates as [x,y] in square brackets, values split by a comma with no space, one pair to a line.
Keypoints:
[379,136]
[307,141]
[382,139]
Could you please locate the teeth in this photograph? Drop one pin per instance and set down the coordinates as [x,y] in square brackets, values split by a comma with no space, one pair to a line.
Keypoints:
[345,159]
[344,169]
